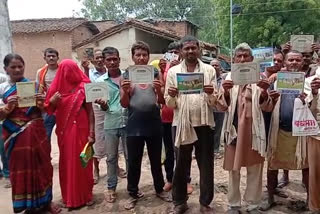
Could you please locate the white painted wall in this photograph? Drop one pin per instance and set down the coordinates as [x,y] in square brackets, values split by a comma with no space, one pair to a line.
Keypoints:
[123,42]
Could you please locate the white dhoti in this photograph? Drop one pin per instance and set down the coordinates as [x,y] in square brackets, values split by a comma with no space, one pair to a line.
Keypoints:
[100,144]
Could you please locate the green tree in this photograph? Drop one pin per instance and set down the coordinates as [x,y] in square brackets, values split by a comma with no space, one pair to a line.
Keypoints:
[193,10]
[121,9]
[260,23]
[268,22]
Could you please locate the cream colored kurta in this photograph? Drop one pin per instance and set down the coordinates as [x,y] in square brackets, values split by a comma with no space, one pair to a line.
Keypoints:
[241,153]
[191,110]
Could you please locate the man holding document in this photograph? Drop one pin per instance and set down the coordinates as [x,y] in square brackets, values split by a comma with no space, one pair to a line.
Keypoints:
[243,129]
[114,121]
[284,150]
[141,93]
[191,92]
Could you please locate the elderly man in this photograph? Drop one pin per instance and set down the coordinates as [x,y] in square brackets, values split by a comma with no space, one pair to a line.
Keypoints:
[244,134]
[193,119]
[284,150]
[218,116]
[95,73]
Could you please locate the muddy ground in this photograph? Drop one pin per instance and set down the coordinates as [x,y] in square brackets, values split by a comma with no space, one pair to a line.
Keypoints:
[150,204]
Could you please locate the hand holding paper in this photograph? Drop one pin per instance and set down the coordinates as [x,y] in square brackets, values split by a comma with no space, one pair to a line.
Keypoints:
[103,104]
[126,86]
[173,92]
[208,89]
[315,85]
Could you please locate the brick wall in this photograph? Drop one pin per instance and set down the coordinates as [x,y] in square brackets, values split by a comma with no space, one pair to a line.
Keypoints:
[80,34]
[31,47]
[182,28]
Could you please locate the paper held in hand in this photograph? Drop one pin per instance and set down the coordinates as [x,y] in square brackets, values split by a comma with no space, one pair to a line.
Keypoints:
[190,83]
[96,91]
[263,56]
[245,73]
[141,74]
[26,92]
[290,82]
[303,121]
[302,43]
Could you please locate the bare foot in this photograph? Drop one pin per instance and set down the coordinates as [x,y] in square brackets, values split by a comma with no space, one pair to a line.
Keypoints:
[96,177]
[54,209]
[167,187]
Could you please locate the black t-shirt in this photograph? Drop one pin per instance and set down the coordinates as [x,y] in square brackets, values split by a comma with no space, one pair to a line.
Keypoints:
[143,111]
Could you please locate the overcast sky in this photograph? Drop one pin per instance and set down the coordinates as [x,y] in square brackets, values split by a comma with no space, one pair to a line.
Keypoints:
[35,9]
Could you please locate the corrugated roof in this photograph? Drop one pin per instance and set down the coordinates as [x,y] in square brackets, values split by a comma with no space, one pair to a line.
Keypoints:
[48,25]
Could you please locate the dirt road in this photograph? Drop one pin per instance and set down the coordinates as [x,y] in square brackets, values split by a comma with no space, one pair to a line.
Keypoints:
[152,205]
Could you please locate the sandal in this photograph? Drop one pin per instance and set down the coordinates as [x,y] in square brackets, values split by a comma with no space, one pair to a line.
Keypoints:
[7,184]
[122,173]
[281,194]
[110,196]
[164,196]
[131,203]
[90,203]
[179,209]
[140,195]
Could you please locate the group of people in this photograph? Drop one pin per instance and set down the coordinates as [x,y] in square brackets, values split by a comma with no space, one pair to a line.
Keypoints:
[253,121]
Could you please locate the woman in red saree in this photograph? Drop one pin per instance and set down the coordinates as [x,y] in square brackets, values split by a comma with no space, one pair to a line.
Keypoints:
[75,127]
[26,145]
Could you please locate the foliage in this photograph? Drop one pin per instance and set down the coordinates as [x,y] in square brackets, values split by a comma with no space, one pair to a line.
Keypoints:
[260,22]
[269,22]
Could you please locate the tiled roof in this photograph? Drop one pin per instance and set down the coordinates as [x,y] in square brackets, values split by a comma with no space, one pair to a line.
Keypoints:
[48,25]
[105,24]
[141,25]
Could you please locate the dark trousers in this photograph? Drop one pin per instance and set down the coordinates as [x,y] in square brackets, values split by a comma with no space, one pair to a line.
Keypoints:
[176,152]
[218,119]
[135,147]
[204,157]
[272,180]
[169,148]
[49,123]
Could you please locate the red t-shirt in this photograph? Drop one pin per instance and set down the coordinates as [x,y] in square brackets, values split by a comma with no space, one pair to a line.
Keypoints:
[166,112]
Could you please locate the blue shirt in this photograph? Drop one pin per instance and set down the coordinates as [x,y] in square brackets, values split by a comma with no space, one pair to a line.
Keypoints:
[116,116]
[286,110]
[94,74]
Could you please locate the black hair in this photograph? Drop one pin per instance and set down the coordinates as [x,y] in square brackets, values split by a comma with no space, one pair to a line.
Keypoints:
[174,45]
[278,51]
[51,50]
[8,58]
[110,50]
[140,45]
[189,38]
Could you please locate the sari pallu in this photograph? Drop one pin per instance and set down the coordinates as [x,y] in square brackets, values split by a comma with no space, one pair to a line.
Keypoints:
[28,153]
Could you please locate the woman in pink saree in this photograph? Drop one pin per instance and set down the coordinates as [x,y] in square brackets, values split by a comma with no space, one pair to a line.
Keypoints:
[75,127]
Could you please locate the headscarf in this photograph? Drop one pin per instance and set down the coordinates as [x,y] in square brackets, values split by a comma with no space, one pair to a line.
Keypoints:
[69,82]
[69,77]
